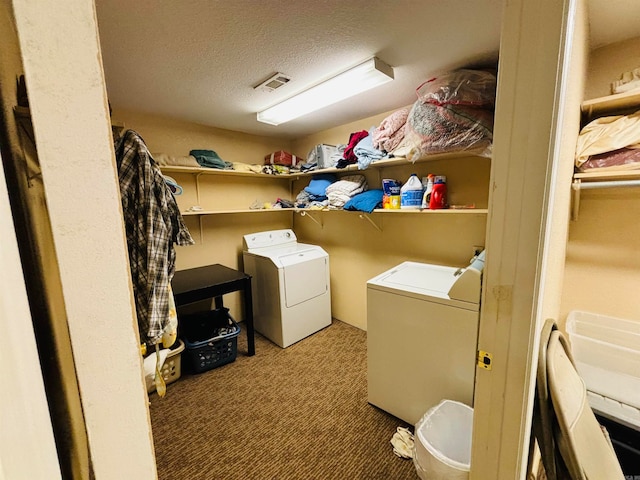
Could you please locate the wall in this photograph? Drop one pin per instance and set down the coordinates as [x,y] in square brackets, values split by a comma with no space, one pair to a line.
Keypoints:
[359,250]
[337,135]
[606,64]
[354,258]
[174,137]
[569,98]
[603,255]
[218,237]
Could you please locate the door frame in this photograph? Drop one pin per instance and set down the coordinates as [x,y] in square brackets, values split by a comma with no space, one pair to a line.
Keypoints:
[528,214]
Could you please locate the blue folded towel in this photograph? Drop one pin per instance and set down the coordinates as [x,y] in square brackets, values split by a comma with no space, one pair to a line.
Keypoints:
[366,201]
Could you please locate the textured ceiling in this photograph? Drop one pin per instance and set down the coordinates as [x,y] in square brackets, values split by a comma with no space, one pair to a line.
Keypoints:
[198,60]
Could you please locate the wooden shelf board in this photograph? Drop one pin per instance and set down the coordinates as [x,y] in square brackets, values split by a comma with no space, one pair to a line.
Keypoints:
[221,212]
[399,161]
[445,211]
[610,175]
[611,103]
[391,162]
[448,211]
[215,171]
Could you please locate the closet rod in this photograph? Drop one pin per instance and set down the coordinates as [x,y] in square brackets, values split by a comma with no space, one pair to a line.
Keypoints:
[606,184]
[578,185]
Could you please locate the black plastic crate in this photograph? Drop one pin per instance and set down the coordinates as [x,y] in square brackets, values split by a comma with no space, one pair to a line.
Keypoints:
[210,338]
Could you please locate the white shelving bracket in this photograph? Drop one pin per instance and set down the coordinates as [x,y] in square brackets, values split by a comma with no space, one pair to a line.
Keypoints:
[370,220]
[303,213]
[198,188]
[575,204]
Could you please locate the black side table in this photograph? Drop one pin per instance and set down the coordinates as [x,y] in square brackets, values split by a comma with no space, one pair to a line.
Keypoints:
[213,281]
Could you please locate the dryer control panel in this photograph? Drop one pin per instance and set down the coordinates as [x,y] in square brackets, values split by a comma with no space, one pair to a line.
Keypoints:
[269,239]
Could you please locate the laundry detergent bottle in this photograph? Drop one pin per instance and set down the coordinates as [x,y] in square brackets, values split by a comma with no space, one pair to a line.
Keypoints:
[438,198]
[411,193]
[428,188]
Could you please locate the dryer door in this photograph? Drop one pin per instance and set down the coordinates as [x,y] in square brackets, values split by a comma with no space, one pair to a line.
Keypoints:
[306,275]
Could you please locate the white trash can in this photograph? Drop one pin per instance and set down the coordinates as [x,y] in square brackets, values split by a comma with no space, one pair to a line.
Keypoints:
[443,442]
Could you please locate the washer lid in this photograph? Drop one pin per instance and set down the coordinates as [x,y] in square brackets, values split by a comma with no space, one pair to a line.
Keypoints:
[421,280]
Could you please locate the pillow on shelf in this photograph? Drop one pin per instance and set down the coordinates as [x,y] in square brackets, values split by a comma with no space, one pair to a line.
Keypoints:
[166,160]
[319,183]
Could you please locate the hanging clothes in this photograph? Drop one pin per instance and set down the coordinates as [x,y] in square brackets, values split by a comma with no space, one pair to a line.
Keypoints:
[153,224]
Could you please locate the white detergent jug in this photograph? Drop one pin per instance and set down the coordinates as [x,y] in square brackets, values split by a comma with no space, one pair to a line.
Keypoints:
[411,193]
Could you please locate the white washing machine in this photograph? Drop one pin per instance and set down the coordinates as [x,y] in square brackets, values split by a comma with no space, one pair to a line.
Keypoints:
[422,335]
[290,285]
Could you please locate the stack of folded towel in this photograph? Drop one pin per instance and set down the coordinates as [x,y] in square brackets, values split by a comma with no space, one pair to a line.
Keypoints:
[340,192]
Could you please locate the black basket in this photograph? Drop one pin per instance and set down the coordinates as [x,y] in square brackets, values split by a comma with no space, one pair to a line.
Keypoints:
[210,338]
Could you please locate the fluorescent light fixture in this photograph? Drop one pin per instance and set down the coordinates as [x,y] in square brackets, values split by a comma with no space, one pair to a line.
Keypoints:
[361,78]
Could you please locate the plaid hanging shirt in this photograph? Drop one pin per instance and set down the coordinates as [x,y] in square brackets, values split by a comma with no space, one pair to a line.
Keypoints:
[153,224]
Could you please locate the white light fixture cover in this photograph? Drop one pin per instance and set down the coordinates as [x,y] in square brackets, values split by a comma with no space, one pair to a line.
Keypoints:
[361,78]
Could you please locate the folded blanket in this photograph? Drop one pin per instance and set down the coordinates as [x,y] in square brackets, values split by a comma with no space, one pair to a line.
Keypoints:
[209,158]
[366,201]
[246,167]
[365,152]
[349,185]
[620,159]
[340,192]
[390,132]
[606,134]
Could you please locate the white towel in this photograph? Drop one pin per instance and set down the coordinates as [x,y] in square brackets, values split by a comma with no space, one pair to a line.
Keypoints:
[340,192]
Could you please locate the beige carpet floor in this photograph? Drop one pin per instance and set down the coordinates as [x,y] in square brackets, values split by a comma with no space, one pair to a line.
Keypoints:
[283,414]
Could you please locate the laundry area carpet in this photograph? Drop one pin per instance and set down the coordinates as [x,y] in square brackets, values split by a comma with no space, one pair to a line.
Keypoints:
[283,414]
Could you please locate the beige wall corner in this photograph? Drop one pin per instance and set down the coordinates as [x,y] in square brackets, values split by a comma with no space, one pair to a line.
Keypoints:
[61,57]
[603,255]
[608,63]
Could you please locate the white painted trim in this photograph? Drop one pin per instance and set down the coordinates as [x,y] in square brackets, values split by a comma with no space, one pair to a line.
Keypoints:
[67,98]
[525,137]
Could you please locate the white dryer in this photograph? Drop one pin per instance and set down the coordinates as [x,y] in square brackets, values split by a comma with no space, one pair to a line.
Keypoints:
[290,285]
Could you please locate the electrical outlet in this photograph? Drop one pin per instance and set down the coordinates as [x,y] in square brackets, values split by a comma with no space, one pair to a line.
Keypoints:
[477,249]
